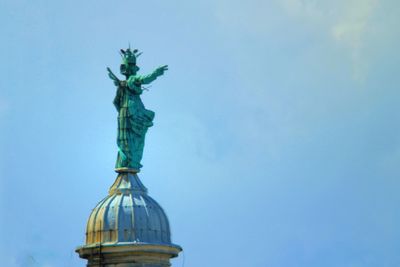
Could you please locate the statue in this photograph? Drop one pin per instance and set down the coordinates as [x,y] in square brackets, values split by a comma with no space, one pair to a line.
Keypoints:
[133,118]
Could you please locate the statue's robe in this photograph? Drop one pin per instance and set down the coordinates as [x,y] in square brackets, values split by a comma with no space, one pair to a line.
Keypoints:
[133,121]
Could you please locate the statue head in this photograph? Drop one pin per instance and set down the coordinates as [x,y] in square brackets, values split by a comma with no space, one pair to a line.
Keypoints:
[128,66]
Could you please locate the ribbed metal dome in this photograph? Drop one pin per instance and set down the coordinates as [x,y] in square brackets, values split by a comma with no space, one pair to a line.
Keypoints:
[128,214]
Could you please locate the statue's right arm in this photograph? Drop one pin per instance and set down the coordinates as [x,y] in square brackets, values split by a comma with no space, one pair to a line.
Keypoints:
[146,79]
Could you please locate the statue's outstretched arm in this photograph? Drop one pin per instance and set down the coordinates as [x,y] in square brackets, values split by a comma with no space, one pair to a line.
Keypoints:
[113,77]
[146,79]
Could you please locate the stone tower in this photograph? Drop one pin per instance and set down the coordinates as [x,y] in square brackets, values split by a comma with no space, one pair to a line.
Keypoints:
[128,228]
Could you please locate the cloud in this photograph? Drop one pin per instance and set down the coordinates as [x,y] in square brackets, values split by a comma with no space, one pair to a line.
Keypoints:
[347,23]
[301,8]
[351,31]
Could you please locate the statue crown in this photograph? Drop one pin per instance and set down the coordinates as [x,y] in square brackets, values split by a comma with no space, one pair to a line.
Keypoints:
[129,56]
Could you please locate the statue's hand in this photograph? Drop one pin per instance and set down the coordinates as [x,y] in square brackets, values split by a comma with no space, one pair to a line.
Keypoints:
[160,70]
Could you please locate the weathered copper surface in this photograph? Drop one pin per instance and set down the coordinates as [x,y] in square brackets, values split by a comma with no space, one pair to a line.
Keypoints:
[128,226]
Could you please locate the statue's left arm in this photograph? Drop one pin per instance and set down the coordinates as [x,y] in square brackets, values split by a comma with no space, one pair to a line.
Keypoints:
[146,79]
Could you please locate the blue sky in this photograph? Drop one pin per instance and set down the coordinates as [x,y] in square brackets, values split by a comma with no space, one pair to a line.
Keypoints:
[276,138]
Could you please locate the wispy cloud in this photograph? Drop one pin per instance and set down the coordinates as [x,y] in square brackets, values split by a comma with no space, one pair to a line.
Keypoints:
[301,8]
[346,22]
[350,30]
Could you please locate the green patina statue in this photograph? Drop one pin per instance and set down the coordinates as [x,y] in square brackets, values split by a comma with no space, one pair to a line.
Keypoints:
[133,118]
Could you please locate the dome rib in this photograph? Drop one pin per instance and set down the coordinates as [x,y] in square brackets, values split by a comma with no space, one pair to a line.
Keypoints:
[92,216]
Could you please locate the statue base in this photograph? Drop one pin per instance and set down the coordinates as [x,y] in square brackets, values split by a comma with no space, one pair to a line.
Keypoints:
[124,169]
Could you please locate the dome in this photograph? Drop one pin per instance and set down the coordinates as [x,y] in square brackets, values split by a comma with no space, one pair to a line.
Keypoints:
[128,215]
